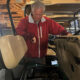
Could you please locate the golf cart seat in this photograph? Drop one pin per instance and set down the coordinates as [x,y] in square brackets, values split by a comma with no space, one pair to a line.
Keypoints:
[12,50]
[68,53]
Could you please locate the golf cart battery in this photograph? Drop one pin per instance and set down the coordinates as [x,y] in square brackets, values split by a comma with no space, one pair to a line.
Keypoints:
[68,53]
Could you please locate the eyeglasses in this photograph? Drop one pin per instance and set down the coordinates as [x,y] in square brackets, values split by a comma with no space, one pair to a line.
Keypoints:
[37,14]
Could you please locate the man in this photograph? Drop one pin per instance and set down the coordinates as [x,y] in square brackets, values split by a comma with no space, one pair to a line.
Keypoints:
[35,29]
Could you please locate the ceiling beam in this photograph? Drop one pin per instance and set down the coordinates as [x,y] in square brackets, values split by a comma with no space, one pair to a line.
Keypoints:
[50,2]
[63,7]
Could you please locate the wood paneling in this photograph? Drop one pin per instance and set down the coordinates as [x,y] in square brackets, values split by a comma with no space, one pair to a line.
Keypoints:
[59,7]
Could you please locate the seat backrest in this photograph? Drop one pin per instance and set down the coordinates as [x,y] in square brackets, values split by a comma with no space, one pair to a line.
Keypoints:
[12,48]
[68,53]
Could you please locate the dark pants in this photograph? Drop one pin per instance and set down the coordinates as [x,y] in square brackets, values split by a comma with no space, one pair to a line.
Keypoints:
[35,60]
[26,61]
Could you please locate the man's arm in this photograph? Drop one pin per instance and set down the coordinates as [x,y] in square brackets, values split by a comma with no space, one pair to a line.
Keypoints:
[22,30]
[56,29]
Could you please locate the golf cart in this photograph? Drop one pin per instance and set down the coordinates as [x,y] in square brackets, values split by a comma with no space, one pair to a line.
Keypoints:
[67,60]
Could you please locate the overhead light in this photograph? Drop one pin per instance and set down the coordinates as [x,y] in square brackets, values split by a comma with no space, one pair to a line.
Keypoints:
[55,16]
[30,2]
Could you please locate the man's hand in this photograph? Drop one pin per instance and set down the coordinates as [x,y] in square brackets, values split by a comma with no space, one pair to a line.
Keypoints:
[69,34]
[33,40]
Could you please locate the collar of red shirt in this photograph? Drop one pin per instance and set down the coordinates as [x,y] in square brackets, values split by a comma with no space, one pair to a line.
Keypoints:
[32,21]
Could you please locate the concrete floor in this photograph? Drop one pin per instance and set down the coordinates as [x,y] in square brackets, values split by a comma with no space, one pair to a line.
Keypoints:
[2,74]
[5,74]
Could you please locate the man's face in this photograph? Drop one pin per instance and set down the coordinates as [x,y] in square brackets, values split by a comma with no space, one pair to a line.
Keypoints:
[37,14]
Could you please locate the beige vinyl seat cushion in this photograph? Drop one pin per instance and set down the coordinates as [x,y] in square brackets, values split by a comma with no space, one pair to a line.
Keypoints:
[13,48]
[68,53]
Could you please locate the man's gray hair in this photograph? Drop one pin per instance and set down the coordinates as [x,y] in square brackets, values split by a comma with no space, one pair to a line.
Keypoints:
[37,5]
